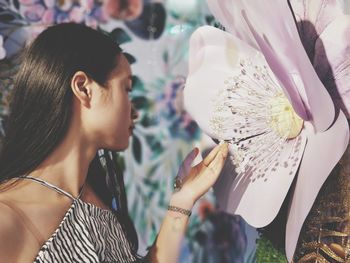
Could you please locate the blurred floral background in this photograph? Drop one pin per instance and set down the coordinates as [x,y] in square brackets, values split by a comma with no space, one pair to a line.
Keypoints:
[155,35]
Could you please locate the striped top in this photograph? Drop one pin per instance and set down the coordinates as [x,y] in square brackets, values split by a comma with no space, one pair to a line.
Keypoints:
[87,233]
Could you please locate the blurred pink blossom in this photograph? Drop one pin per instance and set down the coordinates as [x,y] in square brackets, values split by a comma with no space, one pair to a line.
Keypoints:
[77,14]
[33,13]
[48,17]
[87,5]
[131,10]
[49,3]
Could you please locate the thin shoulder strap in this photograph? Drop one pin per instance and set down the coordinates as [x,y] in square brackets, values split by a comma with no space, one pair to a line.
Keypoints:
[51,186]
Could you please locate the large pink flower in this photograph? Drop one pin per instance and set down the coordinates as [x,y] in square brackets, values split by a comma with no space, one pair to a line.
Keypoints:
[123,9]
[254,86]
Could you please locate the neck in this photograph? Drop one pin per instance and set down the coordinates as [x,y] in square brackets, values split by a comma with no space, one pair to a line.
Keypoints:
[67,166]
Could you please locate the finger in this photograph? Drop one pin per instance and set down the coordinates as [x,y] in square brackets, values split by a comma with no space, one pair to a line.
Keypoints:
[186,164]
[218,163]
[210,157]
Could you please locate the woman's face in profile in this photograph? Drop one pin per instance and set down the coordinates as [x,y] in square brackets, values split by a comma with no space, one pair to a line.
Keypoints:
[113,114]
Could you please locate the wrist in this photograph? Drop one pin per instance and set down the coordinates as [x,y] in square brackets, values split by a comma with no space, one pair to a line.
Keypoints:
[180,210]
[182,200]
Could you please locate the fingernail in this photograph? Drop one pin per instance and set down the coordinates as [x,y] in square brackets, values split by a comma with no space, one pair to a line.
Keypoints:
[224,145]
[224,149]
[223,155]
[195,151]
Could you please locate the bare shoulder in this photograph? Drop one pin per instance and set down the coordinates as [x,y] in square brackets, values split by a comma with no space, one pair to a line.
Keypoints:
[11,233]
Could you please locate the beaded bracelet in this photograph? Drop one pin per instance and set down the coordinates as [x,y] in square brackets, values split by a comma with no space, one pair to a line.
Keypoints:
[179,210]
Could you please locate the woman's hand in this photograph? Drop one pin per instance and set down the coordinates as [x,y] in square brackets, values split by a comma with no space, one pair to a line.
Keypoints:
[197,180]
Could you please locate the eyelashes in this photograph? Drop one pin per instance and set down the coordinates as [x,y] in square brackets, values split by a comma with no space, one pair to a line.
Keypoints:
[128,89]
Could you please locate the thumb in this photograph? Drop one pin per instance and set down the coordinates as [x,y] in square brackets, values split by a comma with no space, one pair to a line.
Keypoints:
[186,164]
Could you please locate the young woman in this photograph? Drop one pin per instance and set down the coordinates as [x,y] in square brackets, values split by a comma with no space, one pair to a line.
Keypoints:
[70,100]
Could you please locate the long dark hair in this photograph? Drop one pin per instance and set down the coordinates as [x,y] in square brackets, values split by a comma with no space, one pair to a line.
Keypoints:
[41,107]
[112,190]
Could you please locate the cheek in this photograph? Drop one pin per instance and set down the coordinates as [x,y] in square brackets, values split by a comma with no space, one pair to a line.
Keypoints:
[122,116]
[123,109]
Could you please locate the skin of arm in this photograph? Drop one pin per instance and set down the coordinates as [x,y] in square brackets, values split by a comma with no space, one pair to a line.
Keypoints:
[12,233]
[197,181]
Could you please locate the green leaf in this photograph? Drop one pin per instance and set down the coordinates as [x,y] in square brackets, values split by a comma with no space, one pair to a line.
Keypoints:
[7,17]
[147,121]
[120,162]
[166,56]
[267,252]
[154,144]
[136,149]
[152,171]
[141,102]
[137,84]
[16,4]
[120,36]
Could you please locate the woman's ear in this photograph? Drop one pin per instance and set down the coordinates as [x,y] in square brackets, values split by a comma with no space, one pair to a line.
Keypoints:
[81,87]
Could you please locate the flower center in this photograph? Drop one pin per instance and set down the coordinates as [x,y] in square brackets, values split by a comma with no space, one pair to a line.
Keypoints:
[282,117]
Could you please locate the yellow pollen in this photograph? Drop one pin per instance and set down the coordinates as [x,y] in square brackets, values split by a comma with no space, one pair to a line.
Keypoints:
[282,117]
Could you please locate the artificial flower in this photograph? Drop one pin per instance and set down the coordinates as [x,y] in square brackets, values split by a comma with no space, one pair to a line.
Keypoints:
[255,87]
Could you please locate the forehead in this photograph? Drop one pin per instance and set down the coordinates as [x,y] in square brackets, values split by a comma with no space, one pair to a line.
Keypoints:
[122,68]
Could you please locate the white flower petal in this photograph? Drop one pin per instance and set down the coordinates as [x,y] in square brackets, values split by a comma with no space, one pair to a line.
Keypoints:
[322,153]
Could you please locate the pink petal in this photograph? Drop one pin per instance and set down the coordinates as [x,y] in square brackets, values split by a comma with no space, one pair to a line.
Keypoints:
[112,8]
[134,9]
[228,14]
[278,38]
[212,53]
[33,13]
[313,17]
[48,17]
[258,200]
[66,6]
[76,14]
[91,22]
[87,5]
[49,3]
[322,152]
[331,61]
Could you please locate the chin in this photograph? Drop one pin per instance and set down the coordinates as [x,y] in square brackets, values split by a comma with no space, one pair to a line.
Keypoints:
[119,147]
[118,144]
